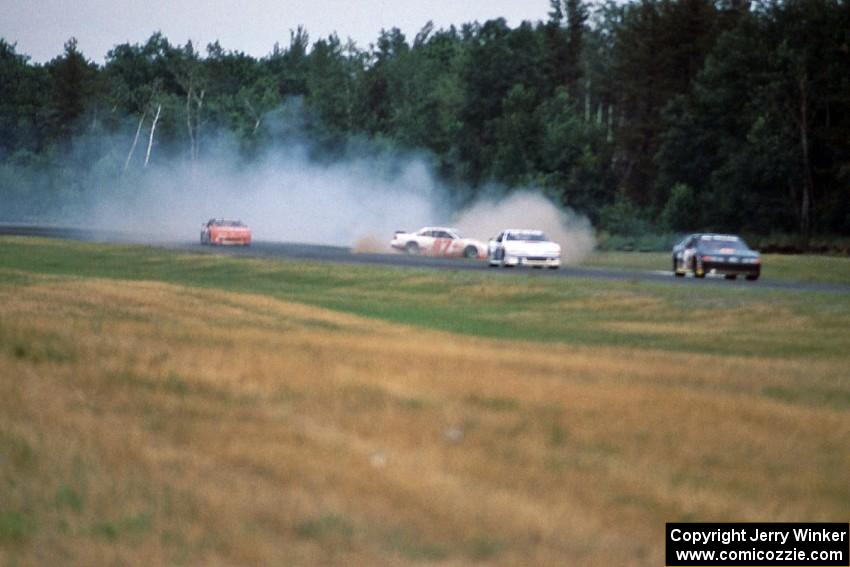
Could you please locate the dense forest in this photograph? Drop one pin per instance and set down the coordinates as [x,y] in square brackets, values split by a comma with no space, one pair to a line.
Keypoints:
[657,115]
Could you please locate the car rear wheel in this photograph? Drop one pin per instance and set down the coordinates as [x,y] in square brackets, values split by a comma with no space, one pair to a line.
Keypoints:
[470,252]
[753,277]
[730,276]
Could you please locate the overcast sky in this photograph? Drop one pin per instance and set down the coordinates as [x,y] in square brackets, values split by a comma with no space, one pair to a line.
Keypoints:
[41,27]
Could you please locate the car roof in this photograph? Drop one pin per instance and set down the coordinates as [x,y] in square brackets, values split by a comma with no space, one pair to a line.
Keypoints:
[524,230]
[714,236]
[446,228]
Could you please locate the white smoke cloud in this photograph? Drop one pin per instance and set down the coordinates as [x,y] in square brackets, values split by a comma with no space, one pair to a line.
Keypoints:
[289,196]
[285,197]
[530,210]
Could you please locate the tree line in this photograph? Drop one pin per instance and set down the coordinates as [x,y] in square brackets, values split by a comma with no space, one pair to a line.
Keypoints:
[673,115]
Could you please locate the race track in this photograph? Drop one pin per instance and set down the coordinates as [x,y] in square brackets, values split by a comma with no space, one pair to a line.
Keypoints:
[338,254]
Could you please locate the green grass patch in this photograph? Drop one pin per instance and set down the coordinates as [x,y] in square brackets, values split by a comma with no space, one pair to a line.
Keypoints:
[807,268]
[16,451]
[411,547]
[327,528]
[835,398]
[34,347]
[68,498]
[494,404]
[130,525]
[15,526]
[485,548]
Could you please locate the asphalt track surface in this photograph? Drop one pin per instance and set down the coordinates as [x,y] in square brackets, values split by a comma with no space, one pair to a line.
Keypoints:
[342,255]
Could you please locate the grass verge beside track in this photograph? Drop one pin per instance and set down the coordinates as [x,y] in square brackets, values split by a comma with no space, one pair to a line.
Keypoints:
[795,268]
[167,408]
[732,321]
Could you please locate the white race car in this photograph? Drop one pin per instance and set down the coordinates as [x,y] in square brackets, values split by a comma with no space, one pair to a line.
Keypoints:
[521,247]
[438,241]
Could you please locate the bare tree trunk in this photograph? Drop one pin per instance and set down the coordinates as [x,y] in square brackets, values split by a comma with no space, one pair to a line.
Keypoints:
[153,130]
[198,124]
[135,140]
[189,123]
[627,174]
[257,118]
[193,120]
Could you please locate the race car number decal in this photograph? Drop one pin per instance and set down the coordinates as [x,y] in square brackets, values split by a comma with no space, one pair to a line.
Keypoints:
[441,245]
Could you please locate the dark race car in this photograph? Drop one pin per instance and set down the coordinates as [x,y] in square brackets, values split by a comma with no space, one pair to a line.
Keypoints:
[724,254]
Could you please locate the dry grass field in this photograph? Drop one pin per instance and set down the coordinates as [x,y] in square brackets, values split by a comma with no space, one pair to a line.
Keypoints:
[153,423]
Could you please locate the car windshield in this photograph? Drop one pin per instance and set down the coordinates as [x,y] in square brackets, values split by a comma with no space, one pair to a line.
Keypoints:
[229,223]
[527,236]
[718,244]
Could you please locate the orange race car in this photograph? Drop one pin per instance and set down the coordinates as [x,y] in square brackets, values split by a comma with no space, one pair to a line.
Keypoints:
[224,231]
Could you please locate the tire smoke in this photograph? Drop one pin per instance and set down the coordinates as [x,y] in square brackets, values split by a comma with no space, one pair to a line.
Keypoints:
[530,210]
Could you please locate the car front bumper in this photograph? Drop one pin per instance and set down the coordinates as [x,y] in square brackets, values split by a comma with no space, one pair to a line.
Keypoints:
[731,269]
[534,261]
[231,241]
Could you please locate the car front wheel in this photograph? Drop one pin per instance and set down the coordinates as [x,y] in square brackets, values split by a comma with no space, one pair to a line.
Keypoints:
[412,248]
[698,271]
